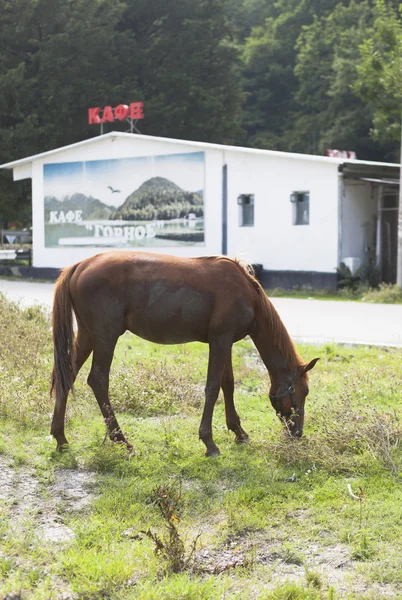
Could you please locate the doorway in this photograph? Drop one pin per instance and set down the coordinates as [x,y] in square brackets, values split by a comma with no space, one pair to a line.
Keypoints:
[389,235]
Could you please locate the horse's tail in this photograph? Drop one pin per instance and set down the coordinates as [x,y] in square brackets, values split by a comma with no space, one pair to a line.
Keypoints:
[63,335]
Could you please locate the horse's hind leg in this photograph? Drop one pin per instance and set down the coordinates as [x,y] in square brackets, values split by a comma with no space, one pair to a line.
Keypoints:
[83,348]
[232,418]
[219,351]
[98,380]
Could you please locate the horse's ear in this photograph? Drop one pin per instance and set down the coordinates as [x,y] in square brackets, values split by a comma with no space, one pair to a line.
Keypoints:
[310,365]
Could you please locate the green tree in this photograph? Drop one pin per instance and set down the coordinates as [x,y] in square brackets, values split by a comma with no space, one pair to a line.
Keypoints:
[247,14]
[379,74]
[186,63]
[330,113]
[269,77]
[58,58]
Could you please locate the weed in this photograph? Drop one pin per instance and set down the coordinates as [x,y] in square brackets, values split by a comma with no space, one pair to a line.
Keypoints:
[346,279]
[171,546]
[6,565]
[107,457]
[313,579]
[290,556]
[34,576]
[363,549]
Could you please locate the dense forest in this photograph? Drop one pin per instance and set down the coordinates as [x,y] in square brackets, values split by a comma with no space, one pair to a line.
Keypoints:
[293,75]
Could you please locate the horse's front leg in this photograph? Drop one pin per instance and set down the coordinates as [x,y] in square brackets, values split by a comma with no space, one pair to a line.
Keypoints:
[219,351]
[232,418]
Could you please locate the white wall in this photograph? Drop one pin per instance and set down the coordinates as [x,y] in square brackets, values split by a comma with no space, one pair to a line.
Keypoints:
[274,241]
[359,209]
[118,147]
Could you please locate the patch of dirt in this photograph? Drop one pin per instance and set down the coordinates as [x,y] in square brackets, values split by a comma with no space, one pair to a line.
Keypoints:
[218,561]
[332,563]
[41,506]
[25,497]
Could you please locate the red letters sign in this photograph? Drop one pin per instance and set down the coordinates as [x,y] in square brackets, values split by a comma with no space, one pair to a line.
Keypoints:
[341,153]
[134,112]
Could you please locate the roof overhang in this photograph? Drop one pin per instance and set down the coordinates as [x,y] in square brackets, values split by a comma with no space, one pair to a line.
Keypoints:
[376,173]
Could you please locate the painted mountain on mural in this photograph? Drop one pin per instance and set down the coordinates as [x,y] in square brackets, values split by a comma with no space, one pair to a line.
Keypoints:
[159,198]
[91,208]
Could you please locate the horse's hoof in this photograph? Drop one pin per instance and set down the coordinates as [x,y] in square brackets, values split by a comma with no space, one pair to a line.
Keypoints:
[242,439]
[118,438]
[129,447]
[212,452]
[62,447]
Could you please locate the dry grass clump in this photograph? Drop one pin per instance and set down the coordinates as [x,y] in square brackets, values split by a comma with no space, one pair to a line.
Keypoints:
[346,439]
[147,389]
[25,361]
[24,333]
[386,293]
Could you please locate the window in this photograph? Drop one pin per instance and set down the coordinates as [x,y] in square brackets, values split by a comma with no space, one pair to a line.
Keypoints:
[301,207]
[246,210]
[390,201]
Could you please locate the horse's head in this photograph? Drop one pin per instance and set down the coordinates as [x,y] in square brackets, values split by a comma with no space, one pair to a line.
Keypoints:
[288,396]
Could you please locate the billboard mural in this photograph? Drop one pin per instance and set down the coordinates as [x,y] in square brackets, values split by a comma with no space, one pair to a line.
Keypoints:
[140,202]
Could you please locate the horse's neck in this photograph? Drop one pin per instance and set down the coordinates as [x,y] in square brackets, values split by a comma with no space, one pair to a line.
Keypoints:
[275,360]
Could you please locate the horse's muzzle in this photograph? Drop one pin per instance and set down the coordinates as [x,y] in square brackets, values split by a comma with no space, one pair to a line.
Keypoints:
[295,431]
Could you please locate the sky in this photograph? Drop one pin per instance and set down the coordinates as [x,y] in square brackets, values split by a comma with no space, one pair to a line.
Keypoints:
[92,178]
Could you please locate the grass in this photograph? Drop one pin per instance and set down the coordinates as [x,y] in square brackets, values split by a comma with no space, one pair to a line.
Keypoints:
[304,293]
[270,520]
[386,293]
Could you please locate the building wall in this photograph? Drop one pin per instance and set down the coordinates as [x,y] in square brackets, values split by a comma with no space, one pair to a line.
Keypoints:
[274,241]
[111,148]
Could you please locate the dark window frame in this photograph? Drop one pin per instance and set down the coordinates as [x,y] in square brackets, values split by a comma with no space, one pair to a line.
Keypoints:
[300,207]
[246,204]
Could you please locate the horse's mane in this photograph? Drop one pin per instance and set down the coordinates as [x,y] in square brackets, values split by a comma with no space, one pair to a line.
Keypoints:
[273,323]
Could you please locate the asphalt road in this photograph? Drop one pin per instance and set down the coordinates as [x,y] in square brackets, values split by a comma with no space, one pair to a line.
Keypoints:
[310,321]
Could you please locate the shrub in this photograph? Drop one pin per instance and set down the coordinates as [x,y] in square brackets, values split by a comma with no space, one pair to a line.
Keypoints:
[345,440]
[366,276]
[147,389]
[387,293]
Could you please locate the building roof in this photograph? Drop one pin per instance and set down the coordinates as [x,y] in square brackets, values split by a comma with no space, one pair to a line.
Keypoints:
[206,145]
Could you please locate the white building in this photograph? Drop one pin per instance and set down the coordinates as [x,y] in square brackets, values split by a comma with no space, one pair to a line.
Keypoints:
[297,215]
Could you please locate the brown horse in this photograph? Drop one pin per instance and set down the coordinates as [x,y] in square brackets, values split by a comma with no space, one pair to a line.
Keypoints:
[171,300]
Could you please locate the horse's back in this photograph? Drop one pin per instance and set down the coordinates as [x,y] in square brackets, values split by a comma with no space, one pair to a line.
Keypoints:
[163,298]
